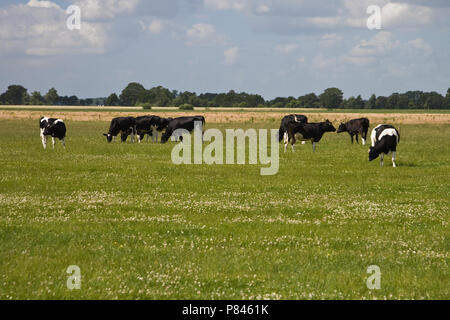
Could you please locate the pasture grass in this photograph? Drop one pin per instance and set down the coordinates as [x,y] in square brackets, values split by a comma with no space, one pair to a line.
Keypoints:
[140,227]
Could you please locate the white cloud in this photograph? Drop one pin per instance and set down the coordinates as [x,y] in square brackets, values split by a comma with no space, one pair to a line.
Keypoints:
[287,48]
[405,15]
[106,9]
[42,4]
[236,5]
[231,55]
[157,26]
[204,34]
[421,44]
[329,40]
[39,28]
[380,44]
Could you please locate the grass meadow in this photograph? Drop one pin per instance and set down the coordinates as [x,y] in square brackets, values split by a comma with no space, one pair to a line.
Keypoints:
[140,227]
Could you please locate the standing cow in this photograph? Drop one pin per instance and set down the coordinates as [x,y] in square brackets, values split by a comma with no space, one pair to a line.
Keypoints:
[53,127]
[355,127]
[186,123]
[147,125]
[385,139]
[308,131]
[299,118]
[124,126]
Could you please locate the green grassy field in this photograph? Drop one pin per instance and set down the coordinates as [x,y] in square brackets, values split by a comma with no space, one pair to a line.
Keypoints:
[140,227]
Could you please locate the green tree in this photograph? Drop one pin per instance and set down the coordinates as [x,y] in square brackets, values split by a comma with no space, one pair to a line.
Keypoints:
[15,95]
[331,98]
[309,101]
[447,100]
[371,103]
[381,103]
[36,99]
[132,94]
[112,100]
[52,97]
[434,101]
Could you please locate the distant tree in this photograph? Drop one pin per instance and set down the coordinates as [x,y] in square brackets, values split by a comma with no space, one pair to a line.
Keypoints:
[434,101]
[371,103]
[447,100]
[309,101]
[381,103]
[132,94]
[15,95]
[331,98]
[392,102]
[36,99]
[112,100]
[52,97]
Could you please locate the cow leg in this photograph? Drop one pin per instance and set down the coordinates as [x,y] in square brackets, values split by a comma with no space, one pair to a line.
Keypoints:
[351,136]
[286,141]
[357,141]
[382,159]
[363,141]
[293,141]
[314,146]
[394,154]
[63,140]
[139,137]
[44,141]
[53,142]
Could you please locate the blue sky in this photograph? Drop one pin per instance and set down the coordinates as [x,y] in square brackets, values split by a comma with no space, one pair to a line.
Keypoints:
[270,47]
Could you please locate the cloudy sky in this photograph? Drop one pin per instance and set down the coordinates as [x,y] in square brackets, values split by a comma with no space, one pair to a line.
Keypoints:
[270,47]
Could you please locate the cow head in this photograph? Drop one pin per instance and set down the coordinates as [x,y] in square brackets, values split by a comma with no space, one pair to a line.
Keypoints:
[165,137]
[328,126]
[373,153]
[108,137]
[342,128]
[48,130]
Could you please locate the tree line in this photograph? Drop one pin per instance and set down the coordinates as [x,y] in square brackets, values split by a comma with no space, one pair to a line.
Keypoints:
[135,94]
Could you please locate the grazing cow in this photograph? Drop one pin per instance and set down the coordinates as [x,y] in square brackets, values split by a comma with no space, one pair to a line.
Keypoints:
[355,127]
[55,128]
[186,123]
[124,125]
[285,121]
[147,125]
[308,131]
[385,139]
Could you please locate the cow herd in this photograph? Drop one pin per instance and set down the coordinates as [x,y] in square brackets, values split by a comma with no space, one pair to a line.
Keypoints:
[384,138]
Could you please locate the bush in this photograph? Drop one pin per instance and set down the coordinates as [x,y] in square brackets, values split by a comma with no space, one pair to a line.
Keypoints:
[186,106]
[146,106]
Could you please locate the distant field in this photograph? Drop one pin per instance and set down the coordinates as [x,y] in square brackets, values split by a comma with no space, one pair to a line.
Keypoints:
[223,109]
[221,116]
[140,227]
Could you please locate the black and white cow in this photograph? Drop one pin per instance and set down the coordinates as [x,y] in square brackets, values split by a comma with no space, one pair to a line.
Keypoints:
[307,131]
[356,127]
[147,125]
[285,121]
[124,126]
[186,123]
[385,139]
[53,127]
